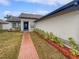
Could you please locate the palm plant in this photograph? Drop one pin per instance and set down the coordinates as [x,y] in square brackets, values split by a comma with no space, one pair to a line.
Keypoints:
[7,16]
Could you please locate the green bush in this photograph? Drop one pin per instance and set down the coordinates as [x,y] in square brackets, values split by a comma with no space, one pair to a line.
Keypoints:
[51,35]
[72,43]
[77,52]
[59,41]
[73,46]
[73,51]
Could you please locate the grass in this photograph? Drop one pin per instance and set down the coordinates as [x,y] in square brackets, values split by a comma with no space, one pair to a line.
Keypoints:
[10,44]
[45,51]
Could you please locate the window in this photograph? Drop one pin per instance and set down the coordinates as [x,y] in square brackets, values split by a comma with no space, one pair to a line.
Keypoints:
[14,25]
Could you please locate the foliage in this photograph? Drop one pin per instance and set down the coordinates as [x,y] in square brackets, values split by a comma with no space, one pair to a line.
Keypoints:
[73,51]
[77,52]
[59,41]
[72,43]
[55,39]
[51,36]
[74,46]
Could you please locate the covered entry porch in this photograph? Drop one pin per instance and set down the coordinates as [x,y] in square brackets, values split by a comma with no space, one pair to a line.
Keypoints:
[25,25]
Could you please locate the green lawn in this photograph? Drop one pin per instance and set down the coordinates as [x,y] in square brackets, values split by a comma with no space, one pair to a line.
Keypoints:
[45,51]
[10,44]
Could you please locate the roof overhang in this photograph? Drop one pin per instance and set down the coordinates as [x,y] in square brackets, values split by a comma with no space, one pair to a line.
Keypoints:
[27,18]
[74,5]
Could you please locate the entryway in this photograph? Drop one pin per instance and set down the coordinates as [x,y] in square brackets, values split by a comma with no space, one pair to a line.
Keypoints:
[26,26]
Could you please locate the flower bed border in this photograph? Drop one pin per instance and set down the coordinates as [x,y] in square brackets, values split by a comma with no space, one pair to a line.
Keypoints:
[65,50]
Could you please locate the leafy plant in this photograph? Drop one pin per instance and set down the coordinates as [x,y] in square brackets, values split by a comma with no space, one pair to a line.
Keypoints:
[50,35]
[55,39]
[72,43]
[59,41]
[73,51]
[73,46]
[77,52]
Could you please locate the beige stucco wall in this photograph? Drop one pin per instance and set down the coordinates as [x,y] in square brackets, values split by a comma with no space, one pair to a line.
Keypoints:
[7,26]
[64,26]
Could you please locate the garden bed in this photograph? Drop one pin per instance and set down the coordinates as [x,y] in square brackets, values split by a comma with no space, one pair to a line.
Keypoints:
[64,50]
[10,44]
[44,49]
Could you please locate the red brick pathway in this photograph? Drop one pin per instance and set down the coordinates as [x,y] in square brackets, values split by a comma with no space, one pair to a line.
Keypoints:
[27,50]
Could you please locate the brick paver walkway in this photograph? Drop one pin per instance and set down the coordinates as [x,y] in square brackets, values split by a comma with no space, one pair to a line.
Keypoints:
[27,50]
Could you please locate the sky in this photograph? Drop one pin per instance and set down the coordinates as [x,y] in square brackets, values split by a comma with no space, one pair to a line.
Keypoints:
[42,7]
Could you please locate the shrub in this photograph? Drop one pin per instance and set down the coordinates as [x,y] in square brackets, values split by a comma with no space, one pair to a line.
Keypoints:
[49,36]
[55,39]
[61,42]
[77,52]
[72,43]
[73,46]
[58,41]
[73,51]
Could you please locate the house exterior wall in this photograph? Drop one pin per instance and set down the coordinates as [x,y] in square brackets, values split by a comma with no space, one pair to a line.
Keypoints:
[26,20]
[22,26]
[6,26]
[63,26]
[0,26]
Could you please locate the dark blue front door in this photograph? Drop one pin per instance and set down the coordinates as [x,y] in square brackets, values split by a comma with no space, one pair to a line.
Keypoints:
[26,26]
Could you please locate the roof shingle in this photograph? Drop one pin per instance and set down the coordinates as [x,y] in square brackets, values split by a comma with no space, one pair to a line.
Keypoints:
[30,16]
